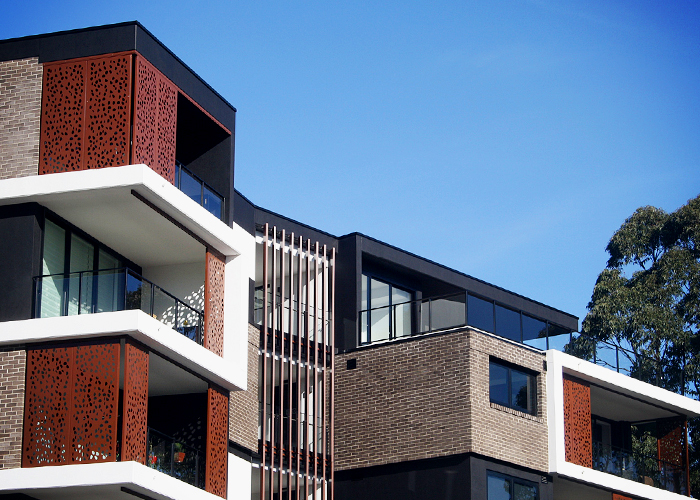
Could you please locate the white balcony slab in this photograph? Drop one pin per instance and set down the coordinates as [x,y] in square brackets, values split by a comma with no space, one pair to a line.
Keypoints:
[103,480]
[617,394]
[137,325]
[102,203]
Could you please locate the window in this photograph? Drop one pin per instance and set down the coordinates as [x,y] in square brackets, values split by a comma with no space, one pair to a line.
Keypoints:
[502,487]
[72,266]
[385,311]
[512,387]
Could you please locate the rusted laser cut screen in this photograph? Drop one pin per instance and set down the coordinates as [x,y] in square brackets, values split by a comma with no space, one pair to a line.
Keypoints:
[155,120]
[135,407]
[577,422]
[71,405]
[217,442]
[86,114]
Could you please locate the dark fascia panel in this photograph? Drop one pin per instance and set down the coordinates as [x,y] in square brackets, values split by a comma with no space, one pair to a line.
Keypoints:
[262,216]
[412,263]
[121,37]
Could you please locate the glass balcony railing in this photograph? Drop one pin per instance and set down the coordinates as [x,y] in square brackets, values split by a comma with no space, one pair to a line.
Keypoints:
[640,468]
[451,311]
[199,191]
[174,458]
[111,290]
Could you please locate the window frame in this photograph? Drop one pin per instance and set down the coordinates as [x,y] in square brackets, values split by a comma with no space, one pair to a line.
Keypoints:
[512,481]
[532,378]
[367,324]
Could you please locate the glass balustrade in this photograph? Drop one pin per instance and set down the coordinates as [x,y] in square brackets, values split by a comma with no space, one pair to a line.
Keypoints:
[174,458]
[109,290]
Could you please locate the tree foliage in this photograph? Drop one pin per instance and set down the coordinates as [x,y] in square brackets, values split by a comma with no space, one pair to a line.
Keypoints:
[647,301]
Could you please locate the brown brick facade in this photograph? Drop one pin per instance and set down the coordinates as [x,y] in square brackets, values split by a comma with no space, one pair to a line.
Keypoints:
[429,397]
[503,433]
[20,115]
[12,374]
[243,408]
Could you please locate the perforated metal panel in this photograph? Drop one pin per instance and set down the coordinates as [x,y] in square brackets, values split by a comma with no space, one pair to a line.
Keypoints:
[135,404]
[577,422]
[71,405]
[62,113]
[46,431]
[217,442]
[155,120]
[214,305]
[94,403]
[86,113]
[108,111]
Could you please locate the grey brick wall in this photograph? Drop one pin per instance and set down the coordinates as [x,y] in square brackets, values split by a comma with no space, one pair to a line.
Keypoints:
[243,405]
[429,397]
[20,115]
[12,373]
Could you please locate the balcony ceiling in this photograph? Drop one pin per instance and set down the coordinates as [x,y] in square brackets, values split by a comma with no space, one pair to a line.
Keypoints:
[614,406]
[124,223]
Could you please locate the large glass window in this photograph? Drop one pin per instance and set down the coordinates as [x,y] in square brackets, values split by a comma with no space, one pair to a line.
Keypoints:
[385,311]
[70,265]
[511,387]
[503,487]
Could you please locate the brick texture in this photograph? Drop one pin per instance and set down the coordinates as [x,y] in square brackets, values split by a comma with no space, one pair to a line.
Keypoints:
[503,433]
[243,406]
[429,397]
[20,114]
[12,373]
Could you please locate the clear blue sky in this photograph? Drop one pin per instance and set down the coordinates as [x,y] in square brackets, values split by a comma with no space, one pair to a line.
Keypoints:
[507,140]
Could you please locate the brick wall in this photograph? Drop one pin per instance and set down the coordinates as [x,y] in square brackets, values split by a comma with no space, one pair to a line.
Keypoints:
[404,401]
[12,370]
[429,397]
[20,113]
[243,406]
[499,432]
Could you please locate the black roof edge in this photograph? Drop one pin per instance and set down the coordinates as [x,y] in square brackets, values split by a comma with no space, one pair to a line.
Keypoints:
[275,214]
[119,25]
[411,254]
[447,268]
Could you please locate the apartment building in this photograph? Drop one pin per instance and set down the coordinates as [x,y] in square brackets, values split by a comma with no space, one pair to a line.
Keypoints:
[161,336]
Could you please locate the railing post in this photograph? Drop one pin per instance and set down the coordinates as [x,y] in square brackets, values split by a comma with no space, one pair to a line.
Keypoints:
[153,296]
[80,289]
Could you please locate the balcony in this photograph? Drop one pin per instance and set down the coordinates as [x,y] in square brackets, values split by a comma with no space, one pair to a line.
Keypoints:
[639,467]
[174,458]
[460,309]
[110,290]
[199,191]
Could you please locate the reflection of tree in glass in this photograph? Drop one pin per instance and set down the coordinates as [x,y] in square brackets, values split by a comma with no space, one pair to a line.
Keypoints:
[133,299]
[645,451]
[522,492]
[521,397]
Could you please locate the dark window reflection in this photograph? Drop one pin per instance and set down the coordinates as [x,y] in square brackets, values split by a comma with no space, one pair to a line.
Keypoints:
[480,313]
[533,328]
[508,323]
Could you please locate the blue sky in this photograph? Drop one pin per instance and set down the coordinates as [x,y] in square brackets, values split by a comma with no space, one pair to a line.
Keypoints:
[507,140]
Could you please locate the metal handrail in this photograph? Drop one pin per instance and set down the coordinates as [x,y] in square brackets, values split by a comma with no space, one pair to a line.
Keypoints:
[125,302]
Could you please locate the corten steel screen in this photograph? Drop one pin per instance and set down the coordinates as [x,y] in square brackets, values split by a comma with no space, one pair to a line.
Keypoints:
[86,113]
[577,422]
[71,405]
